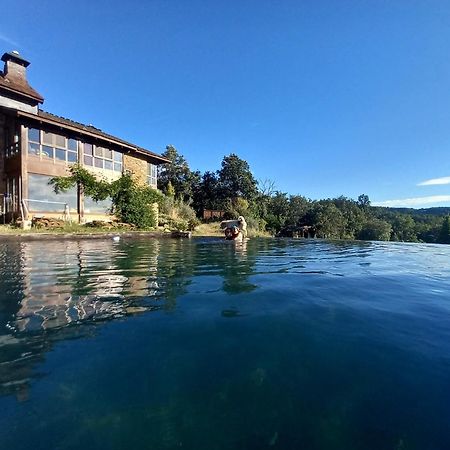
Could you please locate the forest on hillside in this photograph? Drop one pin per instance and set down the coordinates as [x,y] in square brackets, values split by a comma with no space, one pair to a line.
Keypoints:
[234,190]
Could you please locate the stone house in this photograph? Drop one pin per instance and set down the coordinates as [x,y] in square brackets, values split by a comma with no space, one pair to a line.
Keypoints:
[36,145]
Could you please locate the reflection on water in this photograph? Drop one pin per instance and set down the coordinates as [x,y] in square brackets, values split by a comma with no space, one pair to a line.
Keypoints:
[76,281]
[202,344]
[49,289]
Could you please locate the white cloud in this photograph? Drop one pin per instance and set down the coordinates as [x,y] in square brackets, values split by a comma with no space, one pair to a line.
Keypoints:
[9,41]
[435,181]
[414,202]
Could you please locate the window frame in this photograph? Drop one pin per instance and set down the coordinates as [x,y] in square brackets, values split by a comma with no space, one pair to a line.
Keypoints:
[98,160]
[47,147]
[152,174]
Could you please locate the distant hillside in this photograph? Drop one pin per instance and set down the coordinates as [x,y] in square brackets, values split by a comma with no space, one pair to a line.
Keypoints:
[438,211]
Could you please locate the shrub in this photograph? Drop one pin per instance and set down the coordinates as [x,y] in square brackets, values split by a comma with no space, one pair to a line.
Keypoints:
[176,213]
[133,203]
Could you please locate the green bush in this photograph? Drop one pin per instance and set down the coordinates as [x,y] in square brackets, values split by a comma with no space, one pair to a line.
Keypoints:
[133,203]
[176,214]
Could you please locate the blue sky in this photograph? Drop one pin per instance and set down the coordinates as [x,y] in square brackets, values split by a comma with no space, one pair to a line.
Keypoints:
[325,98]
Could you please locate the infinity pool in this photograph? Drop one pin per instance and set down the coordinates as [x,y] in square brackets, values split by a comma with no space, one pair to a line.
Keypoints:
[206,344]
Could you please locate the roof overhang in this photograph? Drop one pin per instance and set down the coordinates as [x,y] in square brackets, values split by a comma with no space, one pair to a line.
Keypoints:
[21,93]
[109,139]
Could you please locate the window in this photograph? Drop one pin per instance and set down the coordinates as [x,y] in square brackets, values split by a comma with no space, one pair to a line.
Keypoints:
[118,161]
[102,158]
[100,207]
[87,154]
[33,135]
[151,174]
[53,146]
[41,196]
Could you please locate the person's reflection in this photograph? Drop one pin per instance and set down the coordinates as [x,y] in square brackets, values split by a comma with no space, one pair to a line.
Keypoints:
[237,268]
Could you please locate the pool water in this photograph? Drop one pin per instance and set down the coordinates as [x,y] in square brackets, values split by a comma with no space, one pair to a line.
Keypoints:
[207,344]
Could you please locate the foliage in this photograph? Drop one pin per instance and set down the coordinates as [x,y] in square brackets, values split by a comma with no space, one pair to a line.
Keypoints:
[375,230]
[234,190]
[170,191]
[329,220]
[363,201]
[444,234]
[236,179]
[206,193]
[131,202]
[235,207]
[176,177]
[177,214]
[403,228]
[79,176]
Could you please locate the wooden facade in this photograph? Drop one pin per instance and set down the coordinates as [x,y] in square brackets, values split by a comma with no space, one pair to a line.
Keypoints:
[36,145]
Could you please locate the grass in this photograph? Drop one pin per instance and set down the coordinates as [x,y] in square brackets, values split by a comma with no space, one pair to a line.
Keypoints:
[208,229]
[70,228]
[211,229]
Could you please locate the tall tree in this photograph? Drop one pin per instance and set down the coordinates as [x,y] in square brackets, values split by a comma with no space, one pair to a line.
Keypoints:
[206,193]
[330,221]
[375,230]
[178,174]
[363,201]
[444,234]
[403,228]
[236,179]
[298,207]
[278,211]
[353,214]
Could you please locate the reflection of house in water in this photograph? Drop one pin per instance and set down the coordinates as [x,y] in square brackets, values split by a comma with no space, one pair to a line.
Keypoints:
[86,282]
[62,292]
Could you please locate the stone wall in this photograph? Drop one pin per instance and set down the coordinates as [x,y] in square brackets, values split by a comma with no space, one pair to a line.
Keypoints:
[137,166]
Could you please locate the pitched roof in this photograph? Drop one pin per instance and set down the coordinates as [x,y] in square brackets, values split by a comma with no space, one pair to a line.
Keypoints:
[89,130]
[19,86]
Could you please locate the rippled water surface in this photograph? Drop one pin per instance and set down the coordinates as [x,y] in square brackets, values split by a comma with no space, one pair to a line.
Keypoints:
[204,344]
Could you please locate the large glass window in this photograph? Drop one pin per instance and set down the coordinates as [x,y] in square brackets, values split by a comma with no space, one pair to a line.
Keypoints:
[42,197]
[102,158]
[101,207]
[53,146]
[152,174]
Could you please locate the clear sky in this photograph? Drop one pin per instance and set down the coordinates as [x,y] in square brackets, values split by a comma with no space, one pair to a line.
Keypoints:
[325,98]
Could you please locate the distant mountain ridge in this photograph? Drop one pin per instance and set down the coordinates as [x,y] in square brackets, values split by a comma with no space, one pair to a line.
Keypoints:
[435,211]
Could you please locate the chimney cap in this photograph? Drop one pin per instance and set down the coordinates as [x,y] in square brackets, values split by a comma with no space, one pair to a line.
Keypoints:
[15,57]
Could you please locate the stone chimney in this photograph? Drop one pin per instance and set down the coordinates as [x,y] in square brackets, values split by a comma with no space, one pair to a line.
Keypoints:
[15,66]
[15,92]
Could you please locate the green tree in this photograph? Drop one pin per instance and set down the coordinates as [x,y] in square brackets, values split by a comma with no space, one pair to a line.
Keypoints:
[363,201]
[298,208]
[170,190]
[403,228]
[330,221]
[444,234]
[354,216]
[206,193]
[236,179]
[178,174]
[375,230]
[277,211]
